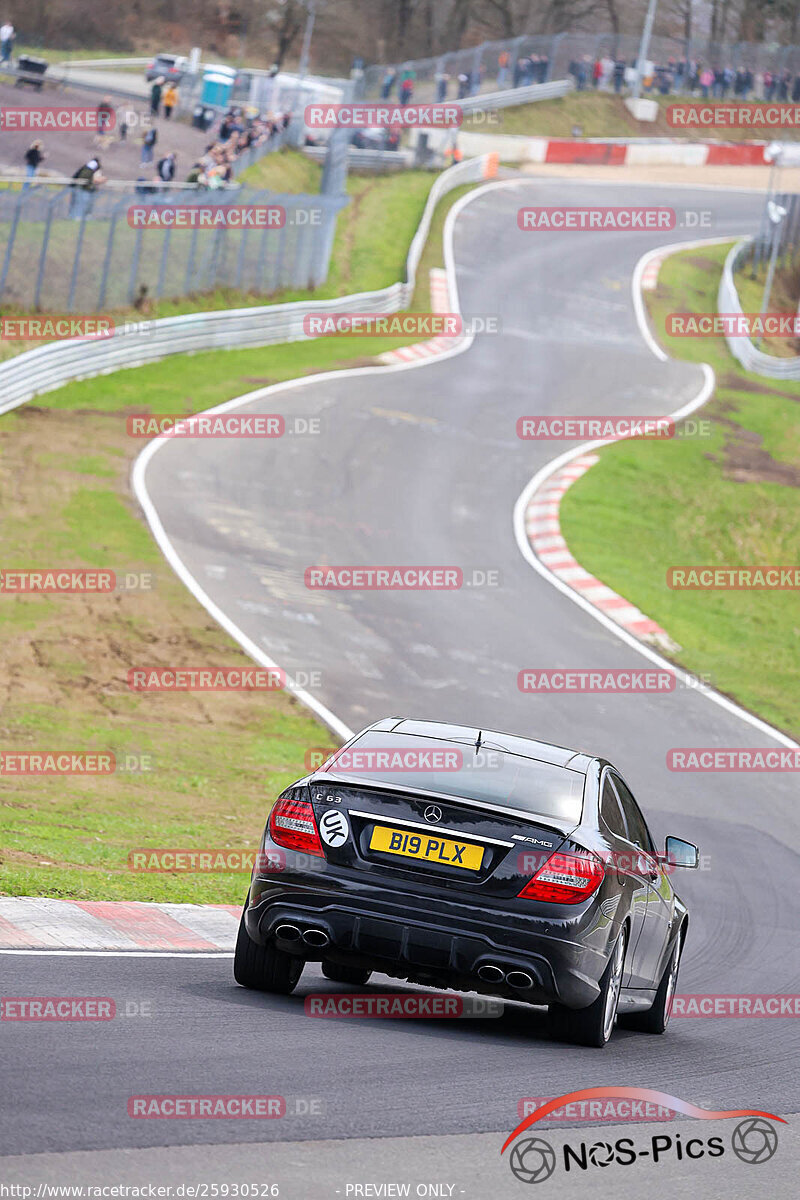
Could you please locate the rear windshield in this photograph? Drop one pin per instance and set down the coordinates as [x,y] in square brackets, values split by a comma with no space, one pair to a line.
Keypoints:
[488,775]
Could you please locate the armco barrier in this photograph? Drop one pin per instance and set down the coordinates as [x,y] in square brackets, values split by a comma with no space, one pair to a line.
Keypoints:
[56,363]
[367,160]
[521,95]
[742,349]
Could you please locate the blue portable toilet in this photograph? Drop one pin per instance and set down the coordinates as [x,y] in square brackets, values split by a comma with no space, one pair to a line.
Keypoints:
[217,90]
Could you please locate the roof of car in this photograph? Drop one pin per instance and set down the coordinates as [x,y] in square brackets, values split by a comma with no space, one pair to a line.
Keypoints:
[559,756]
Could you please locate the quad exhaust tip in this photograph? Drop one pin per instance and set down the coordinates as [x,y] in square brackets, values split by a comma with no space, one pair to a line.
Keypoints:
[288,933]
[490,973]
[519,979]
[316,937]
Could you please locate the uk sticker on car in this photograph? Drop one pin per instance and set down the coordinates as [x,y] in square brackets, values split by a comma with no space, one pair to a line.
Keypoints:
[333,827]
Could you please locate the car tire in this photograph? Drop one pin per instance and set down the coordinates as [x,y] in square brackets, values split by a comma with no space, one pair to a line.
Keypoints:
[656,1018]
[264,968]
[594,1025]
[341,974]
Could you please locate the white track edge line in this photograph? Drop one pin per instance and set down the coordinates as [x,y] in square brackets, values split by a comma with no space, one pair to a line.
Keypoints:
[65,952]
[334,723]
[329,718]
[550,468]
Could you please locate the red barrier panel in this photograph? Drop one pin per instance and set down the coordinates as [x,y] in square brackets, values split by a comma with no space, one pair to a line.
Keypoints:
[565,151]
[747,155]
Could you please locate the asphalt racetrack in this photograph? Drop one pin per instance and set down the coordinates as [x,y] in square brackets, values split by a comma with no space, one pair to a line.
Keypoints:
[423,466]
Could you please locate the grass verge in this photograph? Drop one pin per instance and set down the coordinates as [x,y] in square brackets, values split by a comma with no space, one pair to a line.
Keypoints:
[217,760]
[603,114]
[726,499]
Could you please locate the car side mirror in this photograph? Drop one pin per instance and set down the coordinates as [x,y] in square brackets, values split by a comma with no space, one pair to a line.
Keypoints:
[679,853]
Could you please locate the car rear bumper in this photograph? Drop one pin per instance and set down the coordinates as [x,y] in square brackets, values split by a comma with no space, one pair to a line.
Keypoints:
[418,938]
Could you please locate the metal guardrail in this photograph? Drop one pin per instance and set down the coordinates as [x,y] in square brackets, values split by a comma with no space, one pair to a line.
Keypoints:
[742,349]
[52,365]
[119,63]
[49,81]
[521,95]
[372,160]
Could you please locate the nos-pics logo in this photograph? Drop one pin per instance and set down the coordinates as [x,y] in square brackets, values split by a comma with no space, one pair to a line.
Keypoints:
[533,1159]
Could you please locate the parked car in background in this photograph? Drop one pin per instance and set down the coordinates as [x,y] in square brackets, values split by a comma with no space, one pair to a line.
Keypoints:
[172,67]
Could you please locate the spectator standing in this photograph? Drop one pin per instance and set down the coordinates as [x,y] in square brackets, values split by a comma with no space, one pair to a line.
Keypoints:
[769,86]
[406,87]
[167,166]
[463,85]
[597,73]
[7,36]
[607,64]
[155,96]
[442,80]
[388,84]
[149,139]
[583,72]
[619,75]
[197,175]
[88,179]
[706,81]
[169,100]
[34,157]
[503,59]
[106,118]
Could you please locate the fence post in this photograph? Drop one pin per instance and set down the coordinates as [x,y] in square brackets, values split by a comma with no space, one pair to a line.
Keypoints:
[190,261]
[10,245]
[261,259]
[554,46]
[45,244]
[137,250]
[162,266]
[112,228]
[240,260]
[73,282]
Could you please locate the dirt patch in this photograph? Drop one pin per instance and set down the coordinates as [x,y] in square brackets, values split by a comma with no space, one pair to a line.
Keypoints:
[745,460]
[702,263]
[741,384]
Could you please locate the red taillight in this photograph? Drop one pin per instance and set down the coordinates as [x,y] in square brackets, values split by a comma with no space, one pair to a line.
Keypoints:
[292,824]
[565,879]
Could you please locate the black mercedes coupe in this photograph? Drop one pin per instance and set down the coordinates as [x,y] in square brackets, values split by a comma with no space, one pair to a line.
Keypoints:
[466,859]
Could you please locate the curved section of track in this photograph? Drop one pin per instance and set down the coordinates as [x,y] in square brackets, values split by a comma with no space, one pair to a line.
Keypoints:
[423,466]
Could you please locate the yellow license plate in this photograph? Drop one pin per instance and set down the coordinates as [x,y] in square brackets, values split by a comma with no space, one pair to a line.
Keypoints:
[430,846]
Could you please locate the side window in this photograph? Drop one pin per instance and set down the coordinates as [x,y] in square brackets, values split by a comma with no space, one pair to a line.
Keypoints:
[638,833]
[610,810]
